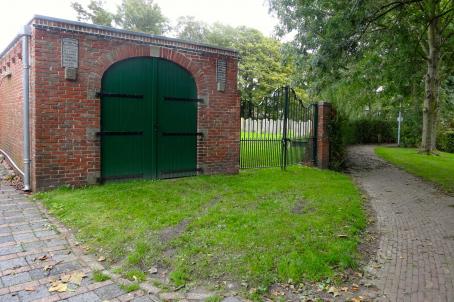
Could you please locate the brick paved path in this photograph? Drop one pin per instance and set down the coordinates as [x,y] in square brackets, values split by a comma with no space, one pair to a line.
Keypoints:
[25,236]
[415,259]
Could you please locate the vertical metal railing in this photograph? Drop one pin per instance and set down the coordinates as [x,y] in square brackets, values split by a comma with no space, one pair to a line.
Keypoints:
[277,131]
[285,129]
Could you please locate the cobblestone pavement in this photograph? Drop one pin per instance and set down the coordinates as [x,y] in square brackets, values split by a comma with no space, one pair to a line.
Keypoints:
[415,221]
[33,253]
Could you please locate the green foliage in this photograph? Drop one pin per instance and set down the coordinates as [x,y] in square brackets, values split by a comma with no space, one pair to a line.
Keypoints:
[94,13]
[138,255]
[215,298]
[446,141]
[135,275]
[343,132]
[262,226]
[130,287]
[411,128]
[370,131]
[263,64]
[435,168]
[188,28]
[99,276]
[337,128]
[179,277]
[368,54]
[447,103]
[135,15]
[141,15]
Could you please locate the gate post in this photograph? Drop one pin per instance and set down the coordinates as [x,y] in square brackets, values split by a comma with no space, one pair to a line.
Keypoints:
[284,129]
[322,144]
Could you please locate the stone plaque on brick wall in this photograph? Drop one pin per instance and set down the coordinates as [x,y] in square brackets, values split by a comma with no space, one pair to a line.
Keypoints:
[70,73]
[69,53]
[221,74]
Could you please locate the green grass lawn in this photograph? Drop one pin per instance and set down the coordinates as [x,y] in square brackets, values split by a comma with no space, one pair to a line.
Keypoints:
[435,168]
[265,150]
[261,226]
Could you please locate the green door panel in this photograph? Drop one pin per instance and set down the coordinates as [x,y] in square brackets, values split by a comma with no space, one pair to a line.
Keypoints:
[139,127]
[177,119]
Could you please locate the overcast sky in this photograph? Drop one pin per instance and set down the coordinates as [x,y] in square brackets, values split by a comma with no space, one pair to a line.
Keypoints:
[253,13]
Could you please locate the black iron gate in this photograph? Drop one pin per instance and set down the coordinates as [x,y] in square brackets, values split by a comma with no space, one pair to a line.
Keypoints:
[277,131]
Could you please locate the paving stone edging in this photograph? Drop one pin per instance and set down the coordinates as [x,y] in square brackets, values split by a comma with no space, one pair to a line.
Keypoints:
[90,260]
[155,293]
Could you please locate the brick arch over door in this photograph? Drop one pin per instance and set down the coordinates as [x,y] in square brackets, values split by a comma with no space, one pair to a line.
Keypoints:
[66,113]
[126,52]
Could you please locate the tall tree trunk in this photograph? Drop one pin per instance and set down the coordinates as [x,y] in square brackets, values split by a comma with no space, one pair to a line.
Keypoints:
[432,84]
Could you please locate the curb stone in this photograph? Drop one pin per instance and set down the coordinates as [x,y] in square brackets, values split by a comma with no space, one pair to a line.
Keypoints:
[155,293]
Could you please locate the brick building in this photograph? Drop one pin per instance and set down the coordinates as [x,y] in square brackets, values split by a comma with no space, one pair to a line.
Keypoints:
[107,103]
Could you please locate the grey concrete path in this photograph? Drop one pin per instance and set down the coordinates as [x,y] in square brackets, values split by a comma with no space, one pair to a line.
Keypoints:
[34,253]
[415,221]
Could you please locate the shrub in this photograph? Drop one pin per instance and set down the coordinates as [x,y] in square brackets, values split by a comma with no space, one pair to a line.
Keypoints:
[343,132]
[411,129]
[369,131]
[337,131]
[445,140]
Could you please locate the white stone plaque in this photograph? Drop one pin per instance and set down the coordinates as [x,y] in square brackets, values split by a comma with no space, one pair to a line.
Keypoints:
[69,53]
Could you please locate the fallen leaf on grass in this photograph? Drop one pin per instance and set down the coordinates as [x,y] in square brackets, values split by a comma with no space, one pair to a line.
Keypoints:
[58,286]
[355,287]
[358,299]
[101,259]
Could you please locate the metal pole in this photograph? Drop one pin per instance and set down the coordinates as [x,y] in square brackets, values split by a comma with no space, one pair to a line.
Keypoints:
[284,134]
[399,120]
[26,33]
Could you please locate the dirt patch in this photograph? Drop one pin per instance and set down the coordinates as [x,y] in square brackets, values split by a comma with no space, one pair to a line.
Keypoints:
[9,177]
[360,160]
[302,207]
[170,233]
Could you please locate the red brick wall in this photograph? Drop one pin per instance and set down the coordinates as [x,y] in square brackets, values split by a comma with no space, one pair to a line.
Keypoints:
[67,113]
[324,115]
[11,104]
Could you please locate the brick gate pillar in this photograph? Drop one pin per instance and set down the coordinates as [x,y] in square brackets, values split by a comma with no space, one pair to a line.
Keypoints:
[324,116]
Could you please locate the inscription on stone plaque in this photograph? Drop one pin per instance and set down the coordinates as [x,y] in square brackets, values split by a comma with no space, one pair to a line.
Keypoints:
[221,74]
[69,53]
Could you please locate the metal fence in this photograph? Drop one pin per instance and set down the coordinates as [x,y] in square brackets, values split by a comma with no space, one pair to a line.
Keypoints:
[277,131]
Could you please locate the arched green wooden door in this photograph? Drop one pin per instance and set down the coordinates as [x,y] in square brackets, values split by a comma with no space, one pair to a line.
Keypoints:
[148,120]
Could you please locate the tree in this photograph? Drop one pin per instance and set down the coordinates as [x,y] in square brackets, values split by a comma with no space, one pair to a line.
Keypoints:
[188,28]
[141,15]
[134,15]
[334,35]
[262,66]
[95,13]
